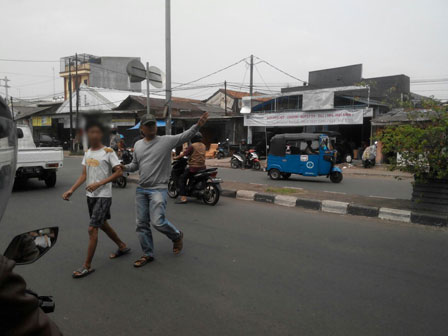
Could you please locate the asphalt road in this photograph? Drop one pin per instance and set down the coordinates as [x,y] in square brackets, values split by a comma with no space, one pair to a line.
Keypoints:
[247,269]
[374,186]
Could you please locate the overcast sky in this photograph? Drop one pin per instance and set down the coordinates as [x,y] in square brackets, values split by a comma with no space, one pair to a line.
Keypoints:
[388,37]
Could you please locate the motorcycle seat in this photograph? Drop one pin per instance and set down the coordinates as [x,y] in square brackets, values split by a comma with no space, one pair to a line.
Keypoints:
[205,171]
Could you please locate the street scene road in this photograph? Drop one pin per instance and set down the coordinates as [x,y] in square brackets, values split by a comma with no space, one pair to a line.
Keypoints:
[247,269]
[387,187]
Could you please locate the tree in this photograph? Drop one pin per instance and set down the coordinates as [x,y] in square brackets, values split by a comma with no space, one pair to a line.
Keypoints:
[422,143]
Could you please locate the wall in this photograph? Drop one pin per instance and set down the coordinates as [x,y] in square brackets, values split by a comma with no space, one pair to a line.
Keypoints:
[111,73]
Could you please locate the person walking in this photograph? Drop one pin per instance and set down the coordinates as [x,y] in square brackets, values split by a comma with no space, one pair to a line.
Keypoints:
[100,167]
[152,159]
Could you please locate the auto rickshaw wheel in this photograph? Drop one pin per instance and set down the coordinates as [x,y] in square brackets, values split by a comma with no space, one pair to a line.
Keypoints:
[336,177]
[275,174]
[286,176]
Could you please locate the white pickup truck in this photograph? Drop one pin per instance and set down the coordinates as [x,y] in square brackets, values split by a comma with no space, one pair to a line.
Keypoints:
[36,162]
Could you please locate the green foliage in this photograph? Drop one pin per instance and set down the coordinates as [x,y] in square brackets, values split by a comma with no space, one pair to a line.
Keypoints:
[423,145]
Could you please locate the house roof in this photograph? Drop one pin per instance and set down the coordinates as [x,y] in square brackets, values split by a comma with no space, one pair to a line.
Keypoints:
[181,107]
[92,99]
[401,116]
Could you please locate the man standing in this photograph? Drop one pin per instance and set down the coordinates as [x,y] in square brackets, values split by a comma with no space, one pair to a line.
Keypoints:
[152,158]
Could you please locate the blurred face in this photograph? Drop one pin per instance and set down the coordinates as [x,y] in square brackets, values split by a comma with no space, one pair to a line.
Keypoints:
[94,135]
[149,131]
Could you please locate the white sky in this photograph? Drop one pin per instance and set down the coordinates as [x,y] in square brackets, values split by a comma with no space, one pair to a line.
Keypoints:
[388,37]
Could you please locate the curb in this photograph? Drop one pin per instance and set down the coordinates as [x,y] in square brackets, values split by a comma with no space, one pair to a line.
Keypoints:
[342,208]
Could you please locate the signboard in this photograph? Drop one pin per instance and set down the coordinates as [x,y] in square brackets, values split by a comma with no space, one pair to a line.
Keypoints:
[123,122]
[318,100]
[41,121]
[156,77]
[136,71]
[336,117]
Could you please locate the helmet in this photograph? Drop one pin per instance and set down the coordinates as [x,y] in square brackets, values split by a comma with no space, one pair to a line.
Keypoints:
[197,137]
[8,154]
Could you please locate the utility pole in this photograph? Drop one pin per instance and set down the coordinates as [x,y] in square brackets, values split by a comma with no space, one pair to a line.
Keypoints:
[168,65]
[12,107]
[148,98]
[6,86]
[251,85]
[225,96]
[70,102]
[251,91]
[77,102]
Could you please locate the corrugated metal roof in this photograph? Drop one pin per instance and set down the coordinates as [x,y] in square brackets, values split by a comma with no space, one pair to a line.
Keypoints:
[400,116]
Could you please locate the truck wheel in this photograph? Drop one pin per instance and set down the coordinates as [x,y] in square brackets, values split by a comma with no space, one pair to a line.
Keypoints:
[275,174]
[50,179]
[336,177]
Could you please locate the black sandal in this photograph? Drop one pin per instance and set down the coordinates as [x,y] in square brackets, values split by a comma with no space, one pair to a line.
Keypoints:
[82,272]
[119,253]
[143,261]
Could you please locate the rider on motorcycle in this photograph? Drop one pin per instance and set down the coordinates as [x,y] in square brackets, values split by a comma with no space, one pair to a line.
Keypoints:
[196,162]
[19,310]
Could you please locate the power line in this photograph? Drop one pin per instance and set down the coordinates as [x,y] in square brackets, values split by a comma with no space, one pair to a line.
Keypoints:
[276,68]
[26,60]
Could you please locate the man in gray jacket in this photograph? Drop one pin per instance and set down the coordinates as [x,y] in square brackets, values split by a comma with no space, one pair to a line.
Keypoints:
[152,159]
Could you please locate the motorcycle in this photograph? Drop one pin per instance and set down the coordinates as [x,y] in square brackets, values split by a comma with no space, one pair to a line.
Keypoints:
[369,156]
[27,248]
[252,160]
[203,185]
[223,149]
[126,158]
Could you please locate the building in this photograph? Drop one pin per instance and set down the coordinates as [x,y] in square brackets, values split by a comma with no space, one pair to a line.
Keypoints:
[338,100]
[184,113]
[97,71]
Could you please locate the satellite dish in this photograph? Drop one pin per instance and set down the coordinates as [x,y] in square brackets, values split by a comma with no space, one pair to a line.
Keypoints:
[156,77]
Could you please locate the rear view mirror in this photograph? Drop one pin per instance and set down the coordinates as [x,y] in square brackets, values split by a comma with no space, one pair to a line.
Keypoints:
[19,133]
[27,247]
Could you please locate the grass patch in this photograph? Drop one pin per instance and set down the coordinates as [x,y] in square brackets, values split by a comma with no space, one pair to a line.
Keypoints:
[283,191]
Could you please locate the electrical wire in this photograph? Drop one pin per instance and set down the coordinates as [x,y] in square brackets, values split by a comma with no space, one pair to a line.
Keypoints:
[278,69]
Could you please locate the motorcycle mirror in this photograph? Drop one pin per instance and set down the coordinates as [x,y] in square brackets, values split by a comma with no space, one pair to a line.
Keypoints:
[27,247]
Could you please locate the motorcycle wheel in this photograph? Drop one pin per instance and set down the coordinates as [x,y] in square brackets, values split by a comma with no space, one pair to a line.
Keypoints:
[257,165]
[275,174]
[211,194]
[336,177]
[348,158]
[234,163]
[220,155]
[121,182]
[172,189]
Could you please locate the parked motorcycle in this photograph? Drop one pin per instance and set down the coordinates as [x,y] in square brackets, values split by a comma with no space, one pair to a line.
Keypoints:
[126,158]
[369,156]
[223,149]
[252,161]
[203,185]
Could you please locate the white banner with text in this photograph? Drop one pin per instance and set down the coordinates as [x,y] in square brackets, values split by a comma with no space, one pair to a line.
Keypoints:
[337,117]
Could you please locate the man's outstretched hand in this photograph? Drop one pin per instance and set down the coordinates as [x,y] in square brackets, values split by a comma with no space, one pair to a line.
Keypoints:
[203,119]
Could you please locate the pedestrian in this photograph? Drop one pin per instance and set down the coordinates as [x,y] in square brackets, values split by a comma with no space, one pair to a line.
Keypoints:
[100,167]
[152,158]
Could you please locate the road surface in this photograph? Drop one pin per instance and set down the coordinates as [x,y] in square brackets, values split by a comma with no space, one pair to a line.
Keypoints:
[247,269]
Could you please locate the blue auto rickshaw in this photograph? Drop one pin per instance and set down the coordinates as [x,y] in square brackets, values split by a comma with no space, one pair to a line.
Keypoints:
[306,154]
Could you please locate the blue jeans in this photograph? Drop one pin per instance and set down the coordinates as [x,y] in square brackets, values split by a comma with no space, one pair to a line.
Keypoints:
[150,206]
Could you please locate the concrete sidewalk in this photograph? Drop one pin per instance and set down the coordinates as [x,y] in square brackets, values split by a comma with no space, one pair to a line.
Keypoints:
[349,169]
[333,202]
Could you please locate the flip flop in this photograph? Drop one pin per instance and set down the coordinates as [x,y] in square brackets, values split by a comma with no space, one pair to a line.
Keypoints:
[119,253]
[143,261]
[82,272]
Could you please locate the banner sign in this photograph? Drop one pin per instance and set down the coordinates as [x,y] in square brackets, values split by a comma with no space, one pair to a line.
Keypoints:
[318,100]
[41,121]
[337,117]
